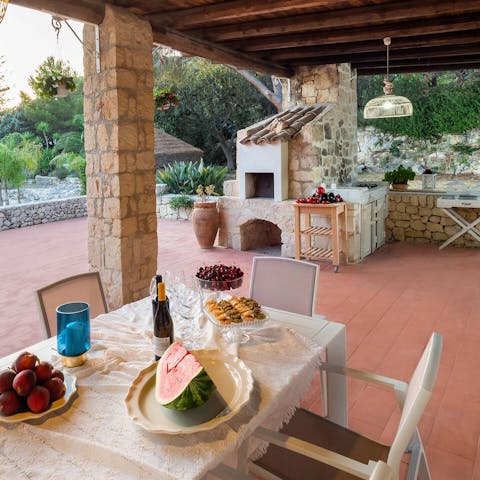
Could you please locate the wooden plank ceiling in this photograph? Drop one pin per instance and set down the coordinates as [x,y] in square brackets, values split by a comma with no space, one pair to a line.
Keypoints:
[275,36]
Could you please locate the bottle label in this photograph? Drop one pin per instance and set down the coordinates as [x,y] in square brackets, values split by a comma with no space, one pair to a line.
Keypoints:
[160,345]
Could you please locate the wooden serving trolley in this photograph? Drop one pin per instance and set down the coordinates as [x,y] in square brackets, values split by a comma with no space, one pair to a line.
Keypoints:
[337,231]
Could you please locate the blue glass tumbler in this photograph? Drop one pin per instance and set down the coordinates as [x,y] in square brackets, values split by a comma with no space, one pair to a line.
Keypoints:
[73,332]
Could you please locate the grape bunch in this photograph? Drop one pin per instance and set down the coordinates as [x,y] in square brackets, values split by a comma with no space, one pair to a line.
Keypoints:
[30,385]
[220,277]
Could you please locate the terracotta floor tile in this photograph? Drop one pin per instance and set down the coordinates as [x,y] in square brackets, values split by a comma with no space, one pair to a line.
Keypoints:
[390,304]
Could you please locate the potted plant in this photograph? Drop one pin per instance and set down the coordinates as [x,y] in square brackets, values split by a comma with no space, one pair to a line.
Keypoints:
[399,177]
[53,78]
[164,98]
[205,218]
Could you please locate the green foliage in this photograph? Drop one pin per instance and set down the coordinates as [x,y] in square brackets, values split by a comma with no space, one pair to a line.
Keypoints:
[185,177]
[14,120]
[464,149]
[442,103]
[45,166]
[399,175]
[49,75]
[61,173]
[60,114]
[181,201]
[394,150]
[214,103]
[70,142]
[19,154]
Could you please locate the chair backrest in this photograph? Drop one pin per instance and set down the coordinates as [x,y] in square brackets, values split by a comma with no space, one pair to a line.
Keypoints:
[284,283]
[416,398]
[86,287]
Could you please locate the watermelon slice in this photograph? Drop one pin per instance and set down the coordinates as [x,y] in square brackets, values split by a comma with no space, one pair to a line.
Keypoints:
[181,381]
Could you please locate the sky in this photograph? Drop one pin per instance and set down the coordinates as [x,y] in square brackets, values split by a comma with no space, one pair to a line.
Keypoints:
[27,38]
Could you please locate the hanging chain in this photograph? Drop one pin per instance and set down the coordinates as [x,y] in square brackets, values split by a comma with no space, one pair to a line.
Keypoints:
[57,25]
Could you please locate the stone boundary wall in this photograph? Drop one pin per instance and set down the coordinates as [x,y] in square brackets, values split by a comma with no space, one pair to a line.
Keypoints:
[414,217]
[27,214]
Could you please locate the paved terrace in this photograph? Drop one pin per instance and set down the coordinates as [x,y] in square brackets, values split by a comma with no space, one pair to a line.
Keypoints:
[390,303]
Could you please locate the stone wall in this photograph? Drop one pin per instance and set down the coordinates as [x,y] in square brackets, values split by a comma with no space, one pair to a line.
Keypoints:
[414,217]
[326,150]
[28,214]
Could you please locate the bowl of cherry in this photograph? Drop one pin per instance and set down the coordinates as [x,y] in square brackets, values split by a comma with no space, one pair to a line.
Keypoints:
[219,277]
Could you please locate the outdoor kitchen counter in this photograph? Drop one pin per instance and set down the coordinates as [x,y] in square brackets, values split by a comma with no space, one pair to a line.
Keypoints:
[414,216]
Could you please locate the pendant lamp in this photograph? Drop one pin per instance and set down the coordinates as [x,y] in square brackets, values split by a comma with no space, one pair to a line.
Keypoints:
[388,105]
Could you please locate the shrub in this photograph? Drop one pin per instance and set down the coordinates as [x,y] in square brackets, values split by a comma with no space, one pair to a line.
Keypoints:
[182,201]
[184,177]
[61,173]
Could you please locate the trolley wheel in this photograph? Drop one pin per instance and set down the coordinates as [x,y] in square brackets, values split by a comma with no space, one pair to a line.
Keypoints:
[335,268]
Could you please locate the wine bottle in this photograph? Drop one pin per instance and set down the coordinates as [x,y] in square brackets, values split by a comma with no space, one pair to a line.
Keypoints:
[162,321]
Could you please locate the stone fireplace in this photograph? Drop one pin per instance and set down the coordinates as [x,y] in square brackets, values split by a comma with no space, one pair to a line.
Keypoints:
[313,140]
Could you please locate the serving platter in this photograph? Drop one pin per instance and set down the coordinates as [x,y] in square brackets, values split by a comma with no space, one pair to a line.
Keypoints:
[232,378]
[71,387]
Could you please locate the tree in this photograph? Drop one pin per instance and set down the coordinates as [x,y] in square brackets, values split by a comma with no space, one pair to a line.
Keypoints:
[214,103]
[19,154]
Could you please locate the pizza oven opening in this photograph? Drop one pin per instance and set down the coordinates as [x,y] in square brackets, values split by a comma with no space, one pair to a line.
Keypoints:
[259,185]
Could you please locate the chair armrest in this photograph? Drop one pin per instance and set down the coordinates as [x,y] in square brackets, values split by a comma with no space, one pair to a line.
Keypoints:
[315,452]
[367,376]
[398,386]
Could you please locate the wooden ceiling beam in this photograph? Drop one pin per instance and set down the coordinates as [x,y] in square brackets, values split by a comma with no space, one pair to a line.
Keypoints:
[400,55]
[87,11]
[422,62]
[232,10]
[419,68]
[203,48]
[394,30]
[457,38]
[398,11]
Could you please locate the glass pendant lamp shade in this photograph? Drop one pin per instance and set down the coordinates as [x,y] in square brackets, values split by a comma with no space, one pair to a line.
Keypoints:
[388,105]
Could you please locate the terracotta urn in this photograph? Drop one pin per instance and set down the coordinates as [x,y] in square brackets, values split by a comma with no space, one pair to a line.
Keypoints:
[205,222]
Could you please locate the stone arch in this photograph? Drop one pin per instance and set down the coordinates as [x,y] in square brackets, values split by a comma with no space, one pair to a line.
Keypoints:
[257,233]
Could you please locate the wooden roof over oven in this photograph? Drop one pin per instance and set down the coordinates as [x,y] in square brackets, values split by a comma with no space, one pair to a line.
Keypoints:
[274,36]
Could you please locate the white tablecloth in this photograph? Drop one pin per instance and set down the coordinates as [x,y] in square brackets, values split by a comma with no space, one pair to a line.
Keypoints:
[95,438]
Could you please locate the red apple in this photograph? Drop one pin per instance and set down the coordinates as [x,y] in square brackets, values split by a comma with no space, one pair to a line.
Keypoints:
[43,371]
[6,379]
[24,382]
[10,402]
[25,361]
[58,374]
[39,399]
[56,387]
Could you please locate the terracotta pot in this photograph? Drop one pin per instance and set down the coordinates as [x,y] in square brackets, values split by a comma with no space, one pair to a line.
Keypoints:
[399,186]
[205,222]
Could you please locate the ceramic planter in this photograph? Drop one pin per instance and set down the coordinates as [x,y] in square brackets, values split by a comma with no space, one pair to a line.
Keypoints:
[399,186]
[205,221]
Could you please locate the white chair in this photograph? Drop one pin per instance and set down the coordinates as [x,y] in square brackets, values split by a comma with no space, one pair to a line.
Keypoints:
[86,287]
[307,440]
[284,283]
[379,471]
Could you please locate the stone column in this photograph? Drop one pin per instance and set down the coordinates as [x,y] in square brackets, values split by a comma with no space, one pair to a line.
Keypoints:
[119,146]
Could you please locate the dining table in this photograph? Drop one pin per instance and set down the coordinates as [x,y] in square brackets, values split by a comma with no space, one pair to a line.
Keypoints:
[95,436]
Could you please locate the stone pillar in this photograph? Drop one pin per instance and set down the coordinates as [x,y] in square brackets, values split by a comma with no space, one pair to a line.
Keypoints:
[327,148]
[119,146]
